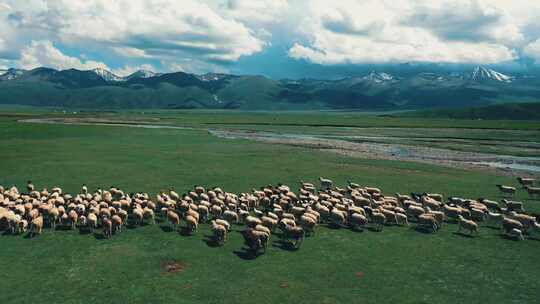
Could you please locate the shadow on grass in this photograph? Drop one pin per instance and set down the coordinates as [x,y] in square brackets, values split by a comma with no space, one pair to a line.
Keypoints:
[247,254]
[284,245]
[210,241]
[184,231]
[462,234]
[99,236]
[373,229]
[166,228]
[84,231]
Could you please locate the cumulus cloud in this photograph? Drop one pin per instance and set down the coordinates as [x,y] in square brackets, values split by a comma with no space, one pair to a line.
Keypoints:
[533,50]
[153,27]
[212,35]
[380,31]
[43,53]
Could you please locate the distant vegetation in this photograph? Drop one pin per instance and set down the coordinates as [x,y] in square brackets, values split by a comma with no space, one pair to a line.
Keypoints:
[510,111]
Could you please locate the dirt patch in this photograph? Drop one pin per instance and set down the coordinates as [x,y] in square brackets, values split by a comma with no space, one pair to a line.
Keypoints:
[359,274]
[284,285]
[173,266]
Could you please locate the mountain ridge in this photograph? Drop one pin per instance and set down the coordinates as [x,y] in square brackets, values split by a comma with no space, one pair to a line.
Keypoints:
[377,89]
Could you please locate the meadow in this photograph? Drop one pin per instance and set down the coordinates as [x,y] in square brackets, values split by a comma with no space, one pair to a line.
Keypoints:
[399,264]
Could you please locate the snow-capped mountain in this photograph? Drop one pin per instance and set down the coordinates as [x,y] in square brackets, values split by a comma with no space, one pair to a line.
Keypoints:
[378,77]
[212,76]
[481,73]
[107,75]
[10,74]
[142,74]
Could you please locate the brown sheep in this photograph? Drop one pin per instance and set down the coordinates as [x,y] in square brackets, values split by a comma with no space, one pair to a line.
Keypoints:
[36,226]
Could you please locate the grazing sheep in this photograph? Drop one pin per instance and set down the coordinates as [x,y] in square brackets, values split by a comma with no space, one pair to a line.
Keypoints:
[509,224]
[515,233]
[326,184]
[469,225]
[513,205]
[73,216]
[22,226]
[263,229]
[533,191]
[495,218]
[256,240]
[402,219]
[149,215]
[173,219]
[427,221]
[358,220]
[507,190]
[252,221]
[223,223]
[414,211]
[293,234]
[92,221]
[308,223]
[338,218]
[191,224]
[116,223]
[36,226]
[138,216]
[378,219]
[107,227]
[526,181]
[269,222]
[219,233]
[230,216]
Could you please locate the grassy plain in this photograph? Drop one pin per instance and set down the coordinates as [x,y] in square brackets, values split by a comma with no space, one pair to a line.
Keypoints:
[398,265]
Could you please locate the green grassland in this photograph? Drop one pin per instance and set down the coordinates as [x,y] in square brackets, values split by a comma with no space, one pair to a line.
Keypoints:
[397,265]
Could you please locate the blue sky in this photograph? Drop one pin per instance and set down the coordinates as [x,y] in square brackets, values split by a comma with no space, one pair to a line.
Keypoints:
[278,38]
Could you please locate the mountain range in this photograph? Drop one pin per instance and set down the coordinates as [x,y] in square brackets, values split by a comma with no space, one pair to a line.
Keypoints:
[378,90]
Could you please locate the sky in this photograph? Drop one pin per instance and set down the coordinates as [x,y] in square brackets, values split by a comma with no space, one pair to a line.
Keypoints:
[277,38]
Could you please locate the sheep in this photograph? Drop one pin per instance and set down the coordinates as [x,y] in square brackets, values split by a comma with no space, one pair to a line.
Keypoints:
[478,214]
[415,211]
[390,215]
[509,224]
[358,220]
[493,205]
[526,181]
[338,218]
[269,222]
[527,221]
[495,218]
[263,229]
[216,211]
[515,234]
[230,216]
[256,240]
[116,223]
[138,216]
[308,223]
[402,219]
[513,205]
[22,225]
[36,226]
[107,227]
[378,219]
[293,234]
[326,184]
[173,219]
[149,214]
[73,216]
[506,190]
[223,223]
[533,191]
[219,233]
[427,221]
[203,212]
[92,221]
[252,221]
[191,224]
[469,225]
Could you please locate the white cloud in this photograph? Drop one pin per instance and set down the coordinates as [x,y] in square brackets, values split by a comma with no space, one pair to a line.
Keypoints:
[128,70]
[533,50]
[156,27]
[43,53]
[253,11]
[376,31]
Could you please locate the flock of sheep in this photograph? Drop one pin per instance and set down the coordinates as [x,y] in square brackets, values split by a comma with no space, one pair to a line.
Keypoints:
[295,214]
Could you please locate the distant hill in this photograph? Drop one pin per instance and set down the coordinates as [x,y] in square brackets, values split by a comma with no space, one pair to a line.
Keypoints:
[513,111]
[376,90]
